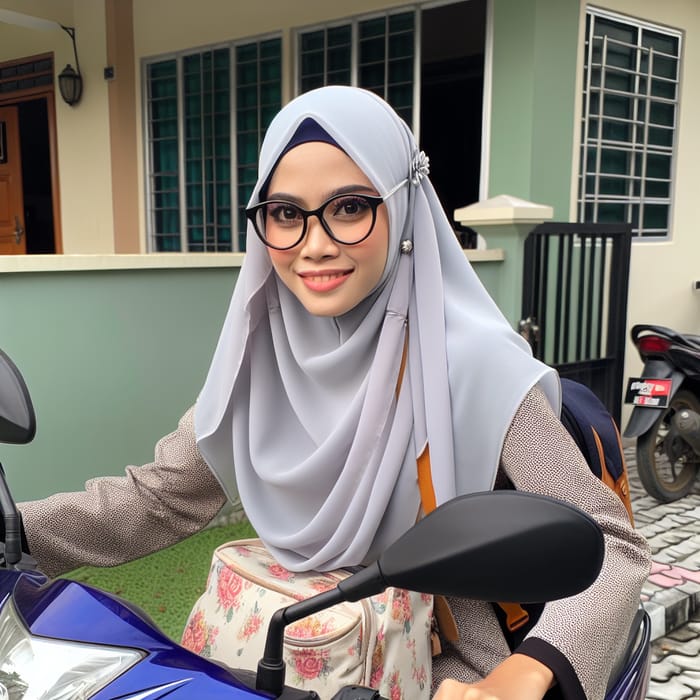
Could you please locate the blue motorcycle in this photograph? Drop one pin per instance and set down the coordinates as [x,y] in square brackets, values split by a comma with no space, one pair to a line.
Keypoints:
[62,640]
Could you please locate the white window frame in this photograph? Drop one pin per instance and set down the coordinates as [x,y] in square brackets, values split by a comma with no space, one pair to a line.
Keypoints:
[584,197]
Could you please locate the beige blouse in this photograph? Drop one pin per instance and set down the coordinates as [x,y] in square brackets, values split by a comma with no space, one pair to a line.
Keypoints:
[117,519]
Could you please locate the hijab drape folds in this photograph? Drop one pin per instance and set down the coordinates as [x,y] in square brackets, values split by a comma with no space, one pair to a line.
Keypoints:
[300,414]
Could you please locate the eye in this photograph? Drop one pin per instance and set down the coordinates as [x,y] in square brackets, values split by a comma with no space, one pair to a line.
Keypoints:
[284,214]
[349,207]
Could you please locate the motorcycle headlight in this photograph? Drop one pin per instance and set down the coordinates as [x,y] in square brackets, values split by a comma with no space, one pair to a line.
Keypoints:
[36,668]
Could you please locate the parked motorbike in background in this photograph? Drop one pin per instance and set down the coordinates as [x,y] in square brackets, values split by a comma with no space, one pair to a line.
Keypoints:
[65,640]
[666,414]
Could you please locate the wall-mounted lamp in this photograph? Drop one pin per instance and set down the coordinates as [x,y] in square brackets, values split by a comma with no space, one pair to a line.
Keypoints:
[70,82]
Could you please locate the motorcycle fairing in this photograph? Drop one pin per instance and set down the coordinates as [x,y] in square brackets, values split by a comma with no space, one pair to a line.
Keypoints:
[48,609]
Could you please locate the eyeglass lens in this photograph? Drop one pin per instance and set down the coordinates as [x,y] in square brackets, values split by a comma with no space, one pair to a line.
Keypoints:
[348,217]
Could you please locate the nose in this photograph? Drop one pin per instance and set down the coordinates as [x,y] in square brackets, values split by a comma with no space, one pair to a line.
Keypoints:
[317,244]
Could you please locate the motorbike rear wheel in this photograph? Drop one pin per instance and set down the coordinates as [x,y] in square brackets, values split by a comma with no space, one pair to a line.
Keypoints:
[666,463]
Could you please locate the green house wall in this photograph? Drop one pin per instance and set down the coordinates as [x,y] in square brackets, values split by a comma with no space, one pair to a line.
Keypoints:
[533,96]
[112,360]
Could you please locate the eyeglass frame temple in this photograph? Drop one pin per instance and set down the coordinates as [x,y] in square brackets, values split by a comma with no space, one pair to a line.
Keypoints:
[251,213]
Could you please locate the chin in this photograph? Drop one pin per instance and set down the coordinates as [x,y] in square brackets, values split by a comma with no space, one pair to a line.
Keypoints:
[325,311]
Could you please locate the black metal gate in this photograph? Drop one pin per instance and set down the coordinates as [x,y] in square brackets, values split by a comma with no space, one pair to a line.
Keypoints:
[575,303]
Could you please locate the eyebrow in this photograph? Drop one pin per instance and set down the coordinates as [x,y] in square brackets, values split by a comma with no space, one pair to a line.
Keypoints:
[346,189]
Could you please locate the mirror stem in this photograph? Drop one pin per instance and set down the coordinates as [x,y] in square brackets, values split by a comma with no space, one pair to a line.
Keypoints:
[271,668]
[13,523]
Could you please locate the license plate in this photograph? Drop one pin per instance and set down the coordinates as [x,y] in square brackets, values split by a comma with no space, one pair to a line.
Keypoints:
[648,392]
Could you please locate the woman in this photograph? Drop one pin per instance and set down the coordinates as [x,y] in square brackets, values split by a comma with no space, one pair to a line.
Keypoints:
[358,338]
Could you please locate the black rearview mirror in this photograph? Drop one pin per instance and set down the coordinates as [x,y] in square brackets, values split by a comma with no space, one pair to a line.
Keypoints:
[505,546]
[17,419]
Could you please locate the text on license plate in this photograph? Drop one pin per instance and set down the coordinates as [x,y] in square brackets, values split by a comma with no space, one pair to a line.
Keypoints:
[652,393]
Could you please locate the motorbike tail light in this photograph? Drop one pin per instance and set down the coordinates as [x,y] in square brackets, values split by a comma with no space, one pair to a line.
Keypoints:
[653,344]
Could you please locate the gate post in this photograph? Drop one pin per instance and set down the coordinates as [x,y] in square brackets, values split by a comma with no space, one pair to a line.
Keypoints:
[505,223]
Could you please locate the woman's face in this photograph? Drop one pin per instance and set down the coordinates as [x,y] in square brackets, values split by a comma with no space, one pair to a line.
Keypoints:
[327,277]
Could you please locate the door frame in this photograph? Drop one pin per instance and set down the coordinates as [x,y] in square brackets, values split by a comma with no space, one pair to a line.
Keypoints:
[47,92]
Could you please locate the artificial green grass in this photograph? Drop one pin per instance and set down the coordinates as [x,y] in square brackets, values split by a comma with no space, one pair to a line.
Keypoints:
[167,583]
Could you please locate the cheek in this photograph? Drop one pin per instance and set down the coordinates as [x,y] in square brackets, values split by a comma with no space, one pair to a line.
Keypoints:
[280,259]
[379,241]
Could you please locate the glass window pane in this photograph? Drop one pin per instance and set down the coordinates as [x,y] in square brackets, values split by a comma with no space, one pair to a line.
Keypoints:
[616,131]
[614,161]
[401,45]
[402,72]
[618,106]
[656,216]
[620,81]
[247,73]
[165,129]
[247,52]
[663,88]
[658,166]
[340,77]
[655,188]
[311,83]
[339,58]
[401,22]
[660,137]
[312,63]
[615,30]
[620,55]
[339,36]
[247,96]
[312,41]
[372,50]
[270,70]
[373,28]
[662,113]
[664,67]
[372,77]
[612,186]
[660,42]
[611,213]
[162,69]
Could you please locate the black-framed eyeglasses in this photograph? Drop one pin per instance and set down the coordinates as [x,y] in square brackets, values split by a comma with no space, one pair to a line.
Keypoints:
[347,218]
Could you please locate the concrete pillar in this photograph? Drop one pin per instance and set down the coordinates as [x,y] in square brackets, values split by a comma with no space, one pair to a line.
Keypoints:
[505,222]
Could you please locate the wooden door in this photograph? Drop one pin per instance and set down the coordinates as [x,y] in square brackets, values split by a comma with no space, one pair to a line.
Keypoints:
[12,235]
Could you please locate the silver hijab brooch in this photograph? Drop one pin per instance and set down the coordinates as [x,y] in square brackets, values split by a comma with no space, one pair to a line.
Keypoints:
[420,167]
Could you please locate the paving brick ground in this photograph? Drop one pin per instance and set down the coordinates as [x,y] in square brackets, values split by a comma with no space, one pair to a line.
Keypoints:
[672,592]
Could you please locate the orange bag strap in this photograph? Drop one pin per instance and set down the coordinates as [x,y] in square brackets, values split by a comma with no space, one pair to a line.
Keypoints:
[516,615]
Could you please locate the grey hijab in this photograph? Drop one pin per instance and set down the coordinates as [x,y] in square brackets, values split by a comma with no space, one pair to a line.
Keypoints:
[300,415]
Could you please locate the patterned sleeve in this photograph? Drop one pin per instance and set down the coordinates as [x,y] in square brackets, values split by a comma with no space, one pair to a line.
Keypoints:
[117,519]
[588,630]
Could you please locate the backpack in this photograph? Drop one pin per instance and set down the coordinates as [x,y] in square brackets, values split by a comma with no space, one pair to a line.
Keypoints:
[383,641]
[595,433]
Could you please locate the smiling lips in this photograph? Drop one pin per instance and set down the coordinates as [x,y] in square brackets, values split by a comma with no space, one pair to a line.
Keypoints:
[325,281]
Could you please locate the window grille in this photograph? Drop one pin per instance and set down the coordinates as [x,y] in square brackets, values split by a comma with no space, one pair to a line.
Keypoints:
[377,53]
[207,112]
[26,74]
[630,110]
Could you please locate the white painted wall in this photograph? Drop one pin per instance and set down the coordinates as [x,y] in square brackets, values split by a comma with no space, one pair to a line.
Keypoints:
[662,273]
[83,130]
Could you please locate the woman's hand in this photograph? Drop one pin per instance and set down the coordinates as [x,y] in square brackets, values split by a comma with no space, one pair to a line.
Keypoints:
[519,677]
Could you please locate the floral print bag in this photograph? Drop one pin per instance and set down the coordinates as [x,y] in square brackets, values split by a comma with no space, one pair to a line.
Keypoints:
[382,642]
